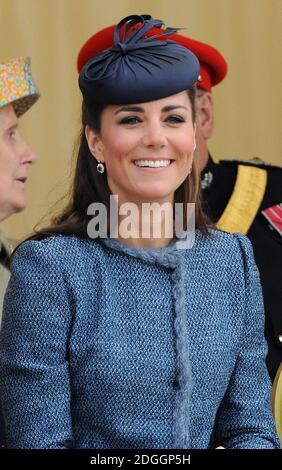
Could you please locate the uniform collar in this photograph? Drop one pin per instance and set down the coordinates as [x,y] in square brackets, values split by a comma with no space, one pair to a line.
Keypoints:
[217,183]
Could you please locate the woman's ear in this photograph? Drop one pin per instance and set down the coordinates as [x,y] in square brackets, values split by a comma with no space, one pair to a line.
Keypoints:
[94,143]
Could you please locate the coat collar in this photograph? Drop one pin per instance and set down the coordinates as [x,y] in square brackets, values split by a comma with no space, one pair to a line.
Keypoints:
[5,251]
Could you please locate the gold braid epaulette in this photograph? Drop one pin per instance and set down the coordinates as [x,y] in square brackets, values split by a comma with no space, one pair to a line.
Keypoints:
[245,200]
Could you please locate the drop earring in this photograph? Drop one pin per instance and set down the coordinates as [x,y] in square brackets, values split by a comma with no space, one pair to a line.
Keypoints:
[100,167]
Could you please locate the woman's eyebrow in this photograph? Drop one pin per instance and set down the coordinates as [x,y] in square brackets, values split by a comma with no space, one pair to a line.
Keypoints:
[10,127]
[138,109]
[171,107]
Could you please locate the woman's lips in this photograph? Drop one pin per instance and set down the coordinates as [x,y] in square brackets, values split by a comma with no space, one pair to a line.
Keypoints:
[22,180]
[153,169]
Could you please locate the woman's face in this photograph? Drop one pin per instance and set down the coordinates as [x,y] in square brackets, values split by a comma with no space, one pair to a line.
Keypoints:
[147,148]
[15,159]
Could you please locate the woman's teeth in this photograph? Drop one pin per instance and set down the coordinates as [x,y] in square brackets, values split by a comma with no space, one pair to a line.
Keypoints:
[152,163]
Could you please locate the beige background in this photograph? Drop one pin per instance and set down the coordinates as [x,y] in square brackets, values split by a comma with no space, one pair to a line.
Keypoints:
[51,32]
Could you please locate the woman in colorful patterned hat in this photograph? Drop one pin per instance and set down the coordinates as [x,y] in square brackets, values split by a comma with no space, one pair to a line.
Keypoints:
[17,94]
[135,341]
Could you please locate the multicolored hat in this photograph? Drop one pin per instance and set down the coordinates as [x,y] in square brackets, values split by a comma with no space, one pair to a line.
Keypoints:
[139,66]
[213,67]
[17,86]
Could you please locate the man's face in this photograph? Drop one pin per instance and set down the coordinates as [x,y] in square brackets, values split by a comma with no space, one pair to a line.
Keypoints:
[204,125]
[15,159]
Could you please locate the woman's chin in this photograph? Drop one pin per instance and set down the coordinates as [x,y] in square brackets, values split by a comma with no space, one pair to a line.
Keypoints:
[154,197]
[12,207]
[155,194]
[19,206]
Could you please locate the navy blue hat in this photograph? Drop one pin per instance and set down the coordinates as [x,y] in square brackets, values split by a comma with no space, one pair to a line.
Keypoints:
[138,68]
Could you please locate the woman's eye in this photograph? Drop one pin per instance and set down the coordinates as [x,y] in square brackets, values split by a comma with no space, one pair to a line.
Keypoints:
[12,135]
[175,119]
[130,120]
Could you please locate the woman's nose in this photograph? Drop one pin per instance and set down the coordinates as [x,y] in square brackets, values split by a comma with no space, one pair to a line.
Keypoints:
[154,136]
[28,156]
[32,157]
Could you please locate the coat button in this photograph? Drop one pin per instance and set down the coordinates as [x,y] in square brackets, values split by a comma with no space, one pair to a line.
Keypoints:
[175,384]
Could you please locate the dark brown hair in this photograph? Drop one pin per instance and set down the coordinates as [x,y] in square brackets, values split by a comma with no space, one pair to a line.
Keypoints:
[89,186]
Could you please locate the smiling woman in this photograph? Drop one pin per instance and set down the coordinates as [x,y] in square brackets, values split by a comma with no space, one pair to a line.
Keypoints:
[148,154]
[153,131]
[147,150]
[156,139]
[134,342]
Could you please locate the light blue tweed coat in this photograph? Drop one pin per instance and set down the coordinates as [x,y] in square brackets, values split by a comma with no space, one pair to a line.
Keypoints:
[105,346]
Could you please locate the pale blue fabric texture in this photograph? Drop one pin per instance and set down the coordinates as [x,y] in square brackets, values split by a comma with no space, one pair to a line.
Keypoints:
[105,346]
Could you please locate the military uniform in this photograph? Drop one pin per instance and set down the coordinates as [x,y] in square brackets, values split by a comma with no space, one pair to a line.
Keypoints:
[247,197]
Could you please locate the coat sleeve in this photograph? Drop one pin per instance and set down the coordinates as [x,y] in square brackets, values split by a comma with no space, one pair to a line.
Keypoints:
[34,369]
[244,419]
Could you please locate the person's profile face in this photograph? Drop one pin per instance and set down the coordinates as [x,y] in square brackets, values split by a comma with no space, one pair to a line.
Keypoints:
[15,158]
[147,148]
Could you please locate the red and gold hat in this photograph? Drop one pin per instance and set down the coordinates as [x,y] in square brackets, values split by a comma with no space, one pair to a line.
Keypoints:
[16,85]
[213,67]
